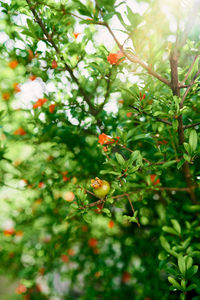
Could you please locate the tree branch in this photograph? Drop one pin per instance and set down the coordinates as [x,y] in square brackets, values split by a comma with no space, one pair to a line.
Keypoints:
[189,88]
[136,59]
[181,85]
[158,119]
[191,125]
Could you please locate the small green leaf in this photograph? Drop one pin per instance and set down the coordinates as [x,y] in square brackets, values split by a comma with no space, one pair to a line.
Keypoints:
[176,225]
[168,164]
[181,264]
[120,159]
[192,271]
[169,230]
[191,287]
[164,243]
[187,147]
[193,139]
[110,200]
[181,162]
[87,218]
[186,157]
[174,283]
[106,211]
[134,156]
[189,262]
[175,124]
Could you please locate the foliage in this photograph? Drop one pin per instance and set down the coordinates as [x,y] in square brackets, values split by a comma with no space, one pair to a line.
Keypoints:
[57,238]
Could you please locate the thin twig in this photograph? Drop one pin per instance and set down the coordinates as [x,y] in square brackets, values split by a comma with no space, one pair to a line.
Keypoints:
[133,210]
[158,119]
[191,125]
[136,59]
[189,71]
[189,88]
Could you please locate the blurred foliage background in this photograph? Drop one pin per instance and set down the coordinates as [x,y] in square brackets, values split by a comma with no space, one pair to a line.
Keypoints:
[104,89]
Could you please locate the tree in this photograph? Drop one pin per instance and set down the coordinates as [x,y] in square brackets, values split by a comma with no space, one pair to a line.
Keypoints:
[142,238]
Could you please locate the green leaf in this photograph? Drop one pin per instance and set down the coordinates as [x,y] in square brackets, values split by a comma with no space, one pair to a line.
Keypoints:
[193,139]
[187,147]
[107,212]
[169,230]
[174,283]
[192,271]
[181,162]
[186,157]
[168,164]
[181,264]
[189,262]
[175,124]
[191,287]
[134,156]
[164,243]
[120,158]
[109,172]
[87,218]
[176,225]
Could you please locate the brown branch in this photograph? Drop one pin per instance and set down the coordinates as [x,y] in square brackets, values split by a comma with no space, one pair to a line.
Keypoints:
[191,125]
[189,88]
[188,73]
[133,210]
[136,59]
[158,119]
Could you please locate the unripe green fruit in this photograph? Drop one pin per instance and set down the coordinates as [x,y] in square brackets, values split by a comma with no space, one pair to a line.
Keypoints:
[103,190]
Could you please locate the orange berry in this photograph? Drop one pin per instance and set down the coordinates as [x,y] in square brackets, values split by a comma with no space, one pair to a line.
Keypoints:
[9,232]
[121,101]
[6,96]
[41,184]
[129,114]
[112,58]
[74,180]
[30,54]
[19,233]
[19,131]
[21,289]
[126,277]
[32,77]
[92,242]
[65,258]
[69,196]
[97,274]
[84,228]
[16,87]
[52,108]
[115,58]
[76,34]
[13,64]
[111,224]
[71,252]
[65,178]
[39,103]
[54,64]
[153,181]
[105,149]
